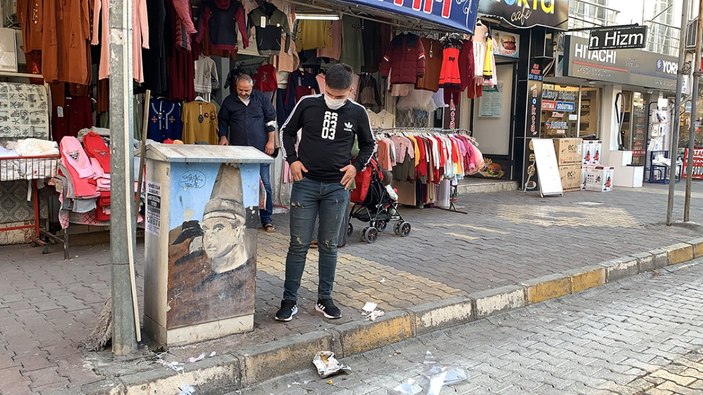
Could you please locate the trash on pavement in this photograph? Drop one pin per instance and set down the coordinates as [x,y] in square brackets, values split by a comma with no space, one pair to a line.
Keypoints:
[371,311]
[369,307]
[212,354]
[327,365]
[186,389]
[439,375]
[196,359]
[410,387]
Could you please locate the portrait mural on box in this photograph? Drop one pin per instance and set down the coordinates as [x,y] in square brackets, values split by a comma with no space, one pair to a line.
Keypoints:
[211,267]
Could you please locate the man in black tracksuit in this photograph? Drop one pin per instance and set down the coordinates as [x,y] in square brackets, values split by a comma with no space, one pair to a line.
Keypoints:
[323,170]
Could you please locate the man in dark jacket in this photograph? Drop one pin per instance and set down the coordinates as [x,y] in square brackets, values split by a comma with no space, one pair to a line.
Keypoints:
[323,171]
[247,118]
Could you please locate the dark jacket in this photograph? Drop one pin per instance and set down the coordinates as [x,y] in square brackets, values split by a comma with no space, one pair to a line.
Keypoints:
[247,125]
[404,60]
[327,137]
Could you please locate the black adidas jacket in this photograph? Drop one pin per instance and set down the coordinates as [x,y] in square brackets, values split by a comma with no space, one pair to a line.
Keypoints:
[327,137]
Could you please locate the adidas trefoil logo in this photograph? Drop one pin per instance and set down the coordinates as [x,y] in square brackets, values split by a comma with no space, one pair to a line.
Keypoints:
[348,126]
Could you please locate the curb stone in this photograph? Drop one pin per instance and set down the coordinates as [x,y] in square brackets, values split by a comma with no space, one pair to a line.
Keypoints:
[265,361]
[680,252]
[361,336]
[547,287]
[433,316]
[620,268]
[645,262]
[661,258]
[259,363]
[697,247]
[498,300]
[586,277]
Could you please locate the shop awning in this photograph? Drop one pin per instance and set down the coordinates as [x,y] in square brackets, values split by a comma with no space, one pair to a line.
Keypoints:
[455,15]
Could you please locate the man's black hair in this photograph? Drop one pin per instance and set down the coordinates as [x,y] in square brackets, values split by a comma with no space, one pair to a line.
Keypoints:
[339,76]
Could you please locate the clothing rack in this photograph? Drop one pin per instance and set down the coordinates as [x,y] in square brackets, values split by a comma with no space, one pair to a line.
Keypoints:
[417,131]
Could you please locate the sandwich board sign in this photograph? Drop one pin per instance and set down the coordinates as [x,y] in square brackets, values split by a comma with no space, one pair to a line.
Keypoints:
[548,175]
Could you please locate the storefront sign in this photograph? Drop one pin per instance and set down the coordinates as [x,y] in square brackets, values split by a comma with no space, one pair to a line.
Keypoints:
[549,105]
[631,67]
[528,13]
[506,44]
[455,14]
[618,38]
[534,99]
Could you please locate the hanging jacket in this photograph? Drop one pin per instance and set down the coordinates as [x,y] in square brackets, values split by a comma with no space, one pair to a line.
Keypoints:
[300,84]
[405,58]
[222,19]
[268,33]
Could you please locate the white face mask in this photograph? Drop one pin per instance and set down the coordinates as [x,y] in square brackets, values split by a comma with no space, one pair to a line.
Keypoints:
[334,104]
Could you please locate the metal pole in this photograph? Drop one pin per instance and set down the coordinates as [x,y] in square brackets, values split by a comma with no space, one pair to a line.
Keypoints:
[677,113]
[121,213]
[694,100]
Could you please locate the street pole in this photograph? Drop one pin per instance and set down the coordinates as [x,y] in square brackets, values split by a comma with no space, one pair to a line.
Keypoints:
[121,165]
[694,99]
[677,113]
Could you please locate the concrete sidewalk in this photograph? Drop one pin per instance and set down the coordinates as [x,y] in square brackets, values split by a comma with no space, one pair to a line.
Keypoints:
[432,278]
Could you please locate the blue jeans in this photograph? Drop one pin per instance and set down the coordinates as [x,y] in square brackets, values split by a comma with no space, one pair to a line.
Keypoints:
[308,200]
[265,172]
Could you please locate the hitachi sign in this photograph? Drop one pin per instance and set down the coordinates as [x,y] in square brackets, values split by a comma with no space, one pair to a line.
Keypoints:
[602,56]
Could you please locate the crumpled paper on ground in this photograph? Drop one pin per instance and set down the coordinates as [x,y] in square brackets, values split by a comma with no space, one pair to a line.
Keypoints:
[327,365]
[371,311]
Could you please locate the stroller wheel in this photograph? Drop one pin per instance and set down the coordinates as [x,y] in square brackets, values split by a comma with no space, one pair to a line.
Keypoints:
[381,225]
[350,229]
[363,234]
[370,235]
[396,227]
[405,229]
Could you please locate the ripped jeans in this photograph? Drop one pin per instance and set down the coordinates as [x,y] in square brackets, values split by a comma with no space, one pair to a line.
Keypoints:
[309,199]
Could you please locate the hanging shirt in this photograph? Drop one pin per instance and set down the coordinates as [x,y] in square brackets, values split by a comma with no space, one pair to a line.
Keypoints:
[334,49]
[265,79]
[165,120]
[199,123]
[300,83]
[205,75]
[221,19]
[352,43]
[312,34]
[433,65]
[66,35]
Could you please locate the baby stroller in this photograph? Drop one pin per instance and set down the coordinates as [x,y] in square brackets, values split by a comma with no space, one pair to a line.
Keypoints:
[374,204]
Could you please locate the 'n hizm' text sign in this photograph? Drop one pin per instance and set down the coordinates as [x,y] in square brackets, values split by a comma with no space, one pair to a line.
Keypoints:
[614,37]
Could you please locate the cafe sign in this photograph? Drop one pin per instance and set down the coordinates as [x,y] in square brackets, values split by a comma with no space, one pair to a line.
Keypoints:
[528,13]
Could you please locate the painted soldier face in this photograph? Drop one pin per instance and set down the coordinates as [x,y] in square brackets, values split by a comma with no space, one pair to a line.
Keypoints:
[221,236]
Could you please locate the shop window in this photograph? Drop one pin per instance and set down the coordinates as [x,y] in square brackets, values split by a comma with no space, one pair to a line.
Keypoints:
[589,113]
[559,111]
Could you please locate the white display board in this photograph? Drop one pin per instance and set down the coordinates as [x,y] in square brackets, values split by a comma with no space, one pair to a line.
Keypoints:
[547,168]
